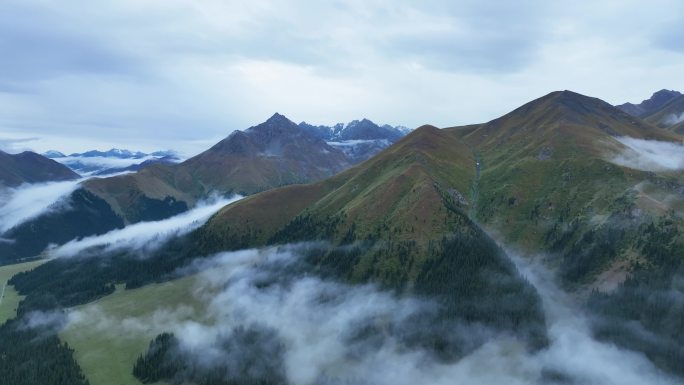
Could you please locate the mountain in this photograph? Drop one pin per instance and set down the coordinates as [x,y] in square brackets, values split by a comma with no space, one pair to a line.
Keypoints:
[398,220]
[550,183]
[550,161]
[29,167]
[543,178]
[670,116]
[406,210]
[275,153]
[112,161]
[664,109]
[359,139]
[651,105]
[113,153]
[419,218]
[356,130]
[53,154]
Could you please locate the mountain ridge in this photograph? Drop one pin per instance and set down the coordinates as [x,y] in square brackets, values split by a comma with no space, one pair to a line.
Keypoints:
[30,167]
[651,105]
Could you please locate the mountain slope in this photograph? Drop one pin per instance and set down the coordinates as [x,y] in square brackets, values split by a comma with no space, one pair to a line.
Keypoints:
[29,167]
[272,154]
[401,221]
[651,105]
[670,116]
[548,184]
[550,160]
[408,180]
[397,220]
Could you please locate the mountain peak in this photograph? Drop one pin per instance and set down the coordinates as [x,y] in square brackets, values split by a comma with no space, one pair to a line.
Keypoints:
[565,114]
[53,154]
[651,105]
[278,119]
[665,93]
[566,104]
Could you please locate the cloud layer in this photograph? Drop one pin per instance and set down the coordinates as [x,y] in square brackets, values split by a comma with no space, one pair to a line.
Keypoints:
[335,333]
[650,155]
[146,236]
[18,205]
[146,67]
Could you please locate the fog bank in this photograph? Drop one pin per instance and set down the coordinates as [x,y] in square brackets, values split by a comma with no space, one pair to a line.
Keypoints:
[650,155]
[336,333]
[145,237]
[28,201]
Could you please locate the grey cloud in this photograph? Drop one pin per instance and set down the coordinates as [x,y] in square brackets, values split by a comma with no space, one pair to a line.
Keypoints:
[183,71]
[15,144]
[474,36]
[38,43]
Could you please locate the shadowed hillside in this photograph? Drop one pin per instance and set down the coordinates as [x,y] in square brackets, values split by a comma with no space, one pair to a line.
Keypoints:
[29,167]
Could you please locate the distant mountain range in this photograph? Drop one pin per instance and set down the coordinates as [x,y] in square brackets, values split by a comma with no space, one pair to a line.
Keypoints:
[664,109]
[101,163]
[359,139]
[29,167]
[275,153]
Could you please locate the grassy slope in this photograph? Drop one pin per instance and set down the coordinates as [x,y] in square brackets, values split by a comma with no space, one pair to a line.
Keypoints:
[545,169]
[10,300]
[402,194]
[107,355]
[399,184]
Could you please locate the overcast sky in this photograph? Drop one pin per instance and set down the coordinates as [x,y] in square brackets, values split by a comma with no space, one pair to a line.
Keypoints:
[182,74]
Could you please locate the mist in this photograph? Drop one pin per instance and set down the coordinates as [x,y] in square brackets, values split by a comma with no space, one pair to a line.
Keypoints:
[650,155]
[336,333]
[673,119]
[145,237]
[28,201]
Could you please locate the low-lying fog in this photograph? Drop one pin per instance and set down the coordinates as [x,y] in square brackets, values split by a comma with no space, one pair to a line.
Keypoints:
[650,155]
[144,237]
[28,201]
[335,333]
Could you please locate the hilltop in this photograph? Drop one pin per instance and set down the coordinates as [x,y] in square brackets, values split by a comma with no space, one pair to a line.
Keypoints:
[29,167]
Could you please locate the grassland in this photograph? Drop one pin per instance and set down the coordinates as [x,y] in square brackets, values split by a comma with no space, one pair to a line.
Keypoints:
[109,334]
[9,298]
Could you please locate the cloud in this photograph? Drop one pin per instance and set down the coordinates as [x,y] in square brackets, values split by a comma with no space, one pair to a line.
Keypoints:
[49,322]
[573,351]
[146,236]
[14,145]
[147,67]
[650,155]
[673,119]
[90,165]
[29,201]
[335,333]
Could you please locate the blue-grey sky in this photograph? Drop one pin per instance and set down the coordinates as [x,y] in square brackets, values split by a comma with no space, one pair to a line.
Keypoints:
[182,74]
